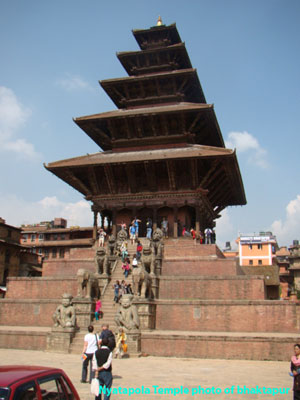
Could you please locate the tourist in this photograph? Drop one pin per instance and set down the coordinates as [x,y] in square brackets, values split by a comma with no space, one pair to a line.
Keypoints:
[139,249]
[149,228]
[193,233]
[116,288]
[124,251]
[295,364]
[213,236]
[104,369]
[102,235]
[90,345]
[207,234]
[201,237]
[129,289]
[132,233]
[98,309]
[164,227]
[126,267]
[134,262]
[136,223]
[122,225]
[123,288]
[107,334]
[121,346]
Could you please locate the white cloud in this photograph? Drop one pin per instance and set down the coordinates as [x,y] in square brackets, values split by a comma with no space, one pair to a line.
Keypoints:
[244,142]
[289,229]
[17,211]
[73,82]
[13,116]
[224,230]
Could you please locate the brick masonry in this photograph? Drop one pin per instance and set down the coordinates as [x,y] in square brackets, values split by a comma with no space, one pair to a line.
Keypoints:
[220,347]
[212,287]
[228,316]
[41,288]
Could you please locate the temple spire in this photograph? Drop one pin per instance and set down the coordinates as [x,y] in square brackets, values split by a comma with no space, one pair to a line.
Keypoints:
[159,21]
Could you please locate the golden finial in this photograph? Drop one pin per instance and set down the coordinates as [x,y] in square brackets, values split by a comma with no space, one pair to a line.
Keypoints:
[159,21]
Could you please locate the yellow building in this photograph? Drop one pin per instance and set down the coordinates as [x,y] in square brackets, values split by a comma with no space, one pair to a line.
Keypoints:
[257,250]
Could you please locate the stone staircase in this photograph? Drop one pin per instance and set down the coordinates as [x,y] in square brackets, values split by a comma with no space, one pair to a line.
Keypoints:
[109,308]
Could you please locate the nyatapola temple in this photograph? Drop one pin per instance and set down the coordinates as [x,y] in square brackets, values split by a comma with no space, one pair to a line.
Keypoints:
[163,151]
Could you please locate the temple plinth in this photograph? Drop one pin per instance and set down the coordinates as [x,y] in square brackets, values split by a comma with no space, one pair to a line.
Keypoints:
[163,152]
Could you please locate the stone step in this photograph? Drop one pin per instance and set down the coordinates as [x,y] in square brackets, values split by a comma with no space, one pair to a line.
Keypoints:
[224,345]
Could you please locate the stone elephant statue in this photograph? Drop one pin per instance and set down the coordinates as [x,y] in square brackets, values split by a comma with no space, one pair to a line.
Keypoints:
[87,284]
[142,282]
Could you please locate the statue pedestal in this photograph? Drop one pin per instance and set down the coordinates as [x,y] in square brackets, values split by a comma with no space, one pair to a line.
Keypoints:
[146,311]
[83,309]
[133,343]
[59,339]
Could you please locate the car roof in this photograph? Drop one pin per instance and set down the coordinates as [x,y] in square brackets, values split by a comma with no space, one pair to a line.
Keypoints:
[10,374]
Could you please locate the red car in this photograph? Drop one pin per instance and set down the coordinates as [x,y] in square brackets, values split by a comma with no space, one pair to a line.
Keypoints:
[21,382]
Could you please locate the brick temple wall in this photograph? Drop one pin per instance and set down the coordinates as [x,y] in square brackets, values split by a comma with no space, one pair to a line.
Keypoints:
[210,288]
[78,258]
[185,247]
[228,316]
[198,266]
[41,288]
[66,267]
[28,312]
[224,347]
[23,340]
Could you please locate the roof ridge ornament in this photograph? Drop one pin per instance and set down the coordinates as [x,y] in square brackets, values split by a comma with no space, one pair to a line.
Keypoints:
[159,21]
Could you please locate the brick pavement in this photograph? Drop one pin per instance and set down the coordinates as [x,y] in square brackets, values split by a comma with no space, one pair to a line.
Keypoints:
[170,373]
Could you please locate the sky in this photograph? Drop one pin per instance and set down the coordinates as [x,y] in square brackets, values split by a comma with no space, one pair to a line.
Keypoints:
[247,55]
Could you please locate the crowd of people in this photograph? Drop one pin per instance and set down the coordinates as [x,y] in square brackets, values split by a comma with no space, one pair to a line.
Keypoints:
[98,352]
[208,236]
[120,289]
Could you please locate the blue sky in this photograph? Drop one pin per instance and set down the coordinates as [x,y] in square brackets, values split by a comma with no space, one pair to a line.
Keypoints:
[247,55]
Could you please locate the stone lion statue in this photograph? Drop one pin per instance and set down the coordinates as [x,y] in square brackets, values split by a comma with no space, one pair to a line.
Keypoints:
[64,314]
[111,245]
[148,262]
[101,261]
[121,238]
[142,282]
[157,243]
[87,284]
[127,316]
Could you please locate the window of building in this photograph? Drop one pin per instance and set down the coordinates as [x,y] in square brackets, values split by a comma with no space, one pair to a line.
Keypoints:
[7,256]
[62,236]
[47,236]
[55,236]
[54,252]
[40,251]
[273,249]
[61,253]
[25,237]
[41,237]
[259,262]
[250,246]
[259,246]
[250,262]
[33,237]
[46,254]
